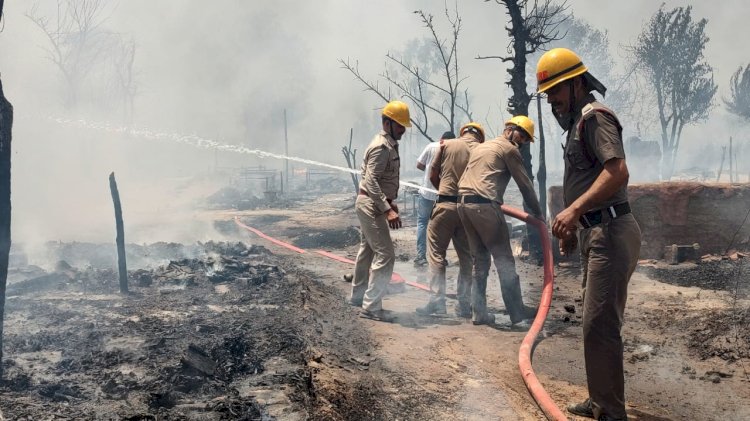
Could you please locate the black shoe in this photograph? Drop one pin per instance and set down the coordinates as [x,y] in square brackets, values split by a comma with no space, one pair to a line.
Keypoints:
[487,319]
[378,315]
[432,308]
[463,311]
[608,418]
[582,409]
[420,262]
[527,313]
[354,303]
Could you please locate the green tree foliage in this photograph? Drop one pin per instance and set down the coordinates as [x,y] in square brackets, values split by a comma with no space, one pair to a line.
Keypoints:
[739,84]
[669,52]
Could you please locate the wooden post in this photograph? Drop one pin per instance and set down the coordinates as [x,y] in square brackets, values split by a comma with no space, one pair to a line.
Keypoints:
[736,167]
[6,122]
[721,166]
[731,167]
[286,152]
[121,265]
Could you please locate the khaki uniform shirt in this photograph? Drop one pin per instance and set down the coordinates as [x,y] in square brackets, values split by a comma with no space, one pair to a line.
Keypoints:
[454,156]
[380,171]
[584,158]
[490,167]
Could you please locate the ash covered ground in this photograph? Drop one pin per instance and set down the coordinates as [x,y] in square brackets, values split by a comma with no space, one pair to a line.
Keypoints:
[216,331]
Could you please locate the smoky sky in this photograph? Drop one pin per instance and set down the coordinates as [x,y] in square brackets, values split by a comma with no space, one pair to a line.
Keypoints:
[228,69]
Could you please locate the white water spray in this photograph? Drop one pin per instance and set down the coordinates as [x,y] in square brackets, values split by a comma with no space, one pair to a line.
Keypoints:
[200,142]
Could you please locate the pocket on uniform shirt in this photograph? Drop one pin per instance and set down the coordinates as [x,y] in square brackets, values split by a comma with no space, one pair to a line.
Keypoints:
[577,159]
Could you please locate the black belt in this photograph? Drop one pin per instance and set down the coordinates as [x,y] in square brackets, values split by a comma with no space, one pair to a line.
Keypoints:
[475,199]
[596,217]
[364,193]
[443,198]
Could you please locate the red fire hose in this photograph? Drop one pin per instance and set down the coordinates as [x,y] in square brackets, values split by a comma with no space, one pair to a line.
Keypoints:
[541,397]
[395,278]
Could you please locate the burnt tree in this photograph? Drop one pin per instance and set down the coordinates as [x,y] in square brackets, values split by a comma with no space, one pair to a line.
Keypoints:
[96,65]
[531,26]
[542,172]
[430,81]
[6,124]
[669,52]
[739,101]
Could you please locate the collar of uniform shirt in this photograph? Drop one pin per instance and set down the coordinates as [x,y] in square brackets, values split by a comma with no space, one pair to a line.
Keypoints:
[392,141]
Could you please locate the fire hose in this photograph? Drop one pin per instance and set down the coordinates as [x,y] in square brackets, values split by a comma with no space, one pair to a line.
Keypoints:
[541,397]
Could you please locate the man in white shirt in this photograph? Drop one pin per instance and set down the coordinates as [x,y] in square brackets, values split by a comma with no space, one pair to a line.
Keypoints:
[427,198]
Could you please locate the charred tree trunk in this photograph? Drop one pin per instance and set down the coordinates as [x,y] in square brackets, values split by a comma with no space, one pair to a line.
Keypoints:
[121,263]
[6,124]
[542,173]
[518,104]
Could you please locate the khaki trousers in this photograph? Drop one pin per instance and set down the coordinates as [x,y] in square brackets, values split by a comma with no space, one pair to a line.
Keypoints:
[609,254]
[445,225]
[376,256]
[489,239]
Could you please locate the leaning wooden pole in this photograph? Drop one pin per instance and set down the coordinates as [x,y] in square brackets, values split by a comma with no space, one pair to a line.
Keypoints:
[731,161]
[121,264]
[6,123]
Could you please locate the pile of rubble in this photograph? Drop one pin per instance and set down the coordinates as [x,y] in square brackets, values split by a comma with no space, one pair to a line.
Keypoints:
[193,339]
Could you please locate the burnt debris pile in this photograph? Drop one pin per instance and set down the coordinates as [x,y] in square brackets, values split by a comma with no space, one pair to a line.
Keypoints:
[215,332]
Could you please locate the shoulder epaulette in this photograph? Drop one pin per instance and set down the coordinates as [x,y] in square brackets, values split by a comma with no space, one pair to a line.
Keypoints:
[589,111]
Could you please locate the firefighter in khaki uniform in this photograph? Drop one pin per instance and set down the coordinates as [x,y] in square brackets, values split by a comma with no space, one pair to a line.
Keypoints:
[597,218]
[445,225]
[377,212]
[481,190]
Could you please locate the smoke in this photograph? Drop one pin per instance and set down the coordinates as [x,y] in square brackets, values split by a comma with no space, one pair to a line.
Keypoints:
[227,72]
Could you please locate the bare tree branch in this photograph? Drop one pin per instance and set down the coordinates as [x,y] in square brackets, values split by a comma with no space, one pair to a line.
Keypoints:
[434,86]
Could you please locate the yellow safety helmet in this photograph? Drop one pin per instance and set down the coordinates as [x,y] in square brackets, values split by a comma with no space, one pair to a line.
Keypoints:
[557,65]
[473,125]
[398,111]
[524,123]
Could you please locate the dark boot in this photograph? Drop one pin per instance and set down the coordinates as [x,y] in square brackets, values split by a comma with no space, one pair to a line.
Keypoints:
[433,307]
[582,409]
[378,315]
[512,299]
[485,319]
[463,310]
[527,313]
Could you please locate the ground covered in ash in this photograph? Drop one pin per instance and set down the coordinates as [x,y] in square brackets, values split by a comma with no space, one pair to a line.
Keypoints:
[218,331]
[718,274]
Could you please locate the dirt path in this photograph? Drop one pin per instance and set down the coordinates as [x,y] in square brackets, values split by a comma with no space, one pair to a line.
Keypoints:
[474,368]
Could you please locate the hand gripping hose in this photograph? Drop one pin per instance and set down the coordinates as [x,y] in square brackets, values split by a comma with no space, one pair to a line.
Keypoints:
[541,397]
